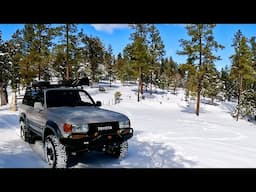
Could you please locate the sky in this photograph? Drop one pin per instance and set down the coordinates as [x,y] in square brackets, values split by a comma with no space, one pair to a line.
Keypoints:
[118,36]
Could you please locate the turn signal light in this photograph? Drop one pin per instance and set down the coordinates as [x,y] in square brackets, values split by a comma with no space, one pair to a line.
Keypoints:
[67,127]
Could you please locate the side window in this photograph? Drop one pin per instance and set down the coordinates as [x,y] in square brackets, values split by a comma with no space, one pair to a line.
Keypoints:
[27,100]
[37,96]
[32,96]
[85,98]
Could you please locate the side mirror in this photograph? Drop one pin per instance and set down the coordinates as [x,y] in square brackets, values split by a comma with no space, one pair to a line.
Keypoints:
[98,103]
[38,106]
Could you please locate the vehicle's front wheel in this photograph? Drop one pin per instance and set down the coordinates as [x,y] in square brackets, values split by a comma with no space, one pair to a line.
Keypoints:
[119,151]
[55,152]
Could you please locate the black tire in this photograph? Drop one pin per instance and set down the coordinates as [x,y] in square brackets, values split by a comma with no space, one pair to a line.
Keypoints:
[24,132]
[55,152]
[120,151]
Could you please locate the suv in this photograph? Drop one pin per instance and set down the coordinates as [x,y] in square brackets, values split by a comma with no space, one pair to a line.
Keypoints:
[68,121]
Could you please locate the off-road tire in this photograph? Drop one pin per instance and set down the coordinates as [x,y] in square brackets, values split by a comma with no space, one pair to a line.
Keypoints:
[55,152]
[120,151]
[25,134]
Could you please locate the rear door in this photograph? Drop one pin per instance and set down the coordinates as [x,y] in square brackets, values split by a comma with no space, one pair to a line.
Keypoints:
[37,118]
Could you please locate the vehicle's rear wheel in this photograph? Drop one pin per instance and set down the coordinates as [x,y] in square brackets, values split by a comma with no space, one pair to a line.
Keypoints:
[119,151]
[55,152]
[23,132]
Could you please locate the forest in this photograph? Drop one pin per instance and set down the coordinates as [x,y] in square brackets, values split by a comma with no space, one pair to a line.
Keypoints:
[46,52]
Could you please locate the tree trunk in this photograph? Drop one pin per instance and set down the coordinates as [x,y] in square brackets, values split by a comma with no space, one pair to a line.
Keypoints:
[4,96]
[139,86]
[174,88]
[1,93]
[14,101]
[138,95]
[199,76]
[39,71]
[198,100]
[26,75]
[239,95]
[151,82]
[212,100]
[67,54]
[110,79]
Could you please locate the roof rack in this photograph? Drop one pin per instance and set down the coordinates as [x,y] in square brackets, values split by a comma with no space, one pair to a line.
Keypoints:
[63,83]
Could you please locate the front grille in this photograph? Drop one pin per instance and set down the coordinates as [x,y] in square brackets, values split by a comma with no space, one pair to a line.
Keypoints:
[93,128]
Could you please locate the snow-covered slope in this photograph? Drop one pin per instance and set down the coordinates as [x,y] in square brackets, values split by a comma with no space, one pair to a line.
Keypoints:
[167,134]
[14,152]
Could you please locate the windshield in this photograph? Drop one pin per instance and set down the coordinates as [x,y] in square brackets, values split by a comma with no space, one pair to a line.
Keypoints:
[71,98]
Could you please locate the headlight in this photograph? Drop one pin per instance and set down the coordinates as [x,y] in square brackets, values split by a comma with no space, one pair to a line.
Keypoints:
[124,124]
[80,128]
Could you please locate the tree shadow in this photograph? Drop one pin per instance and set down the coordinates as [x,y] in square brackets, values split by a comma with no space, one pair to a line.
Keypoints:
[8,120]
[209,102]
[191,109]
[229,108]
[107,84]
[153,92]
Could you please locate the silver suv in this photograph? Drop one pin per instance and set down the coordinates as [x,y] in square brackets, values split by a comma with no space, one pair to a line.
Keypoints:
[68,120]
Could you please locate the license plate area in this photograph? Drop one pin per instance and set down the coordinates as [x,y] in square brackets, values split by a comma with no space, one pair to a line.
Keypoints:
[104,128]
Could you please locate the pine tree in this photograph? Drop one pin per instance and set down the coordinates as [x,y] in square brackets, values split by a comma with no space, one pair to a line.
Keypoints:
[248,103]
[138,54]
[28,68]
[156,50]
[199,50]
[42,41]
[169,69]
[242,65]
[59,61]
[69,41]
[188,72]
[119,66]
[93,53]
[211,83]
[253,49]
[229,87]
[5,64]
[14,49]
[109,62]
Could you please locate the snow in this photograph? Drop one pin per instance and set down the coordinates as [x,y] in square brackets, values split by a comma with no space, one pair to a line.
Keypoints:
[167,134]
[14,152]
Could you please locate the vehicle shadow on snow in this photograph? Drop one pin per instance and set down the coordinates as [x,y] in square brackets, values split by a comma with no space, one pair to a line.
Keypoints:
[140,155]
[8,120]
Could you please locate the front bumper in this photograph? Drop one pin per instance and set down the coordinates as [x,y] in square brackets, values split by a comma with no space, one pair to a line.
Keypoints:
[85,142]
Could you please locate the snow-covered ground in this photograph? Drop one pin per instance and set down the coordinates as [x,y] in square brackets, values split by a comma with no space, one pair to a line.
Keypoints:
[167,134]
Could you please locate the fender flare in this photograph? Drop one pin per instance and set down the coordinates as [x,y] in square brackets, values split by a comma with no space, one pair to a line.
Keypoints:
[53,127]
[22,117]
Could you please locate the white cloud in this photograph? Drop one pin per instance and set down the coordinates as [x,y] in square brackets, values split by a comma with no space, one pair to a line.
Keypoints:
[108,27]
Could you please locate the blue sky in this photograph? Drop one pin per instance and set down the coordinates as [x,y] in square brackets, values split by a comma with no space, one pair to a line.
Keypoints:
[118,36]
